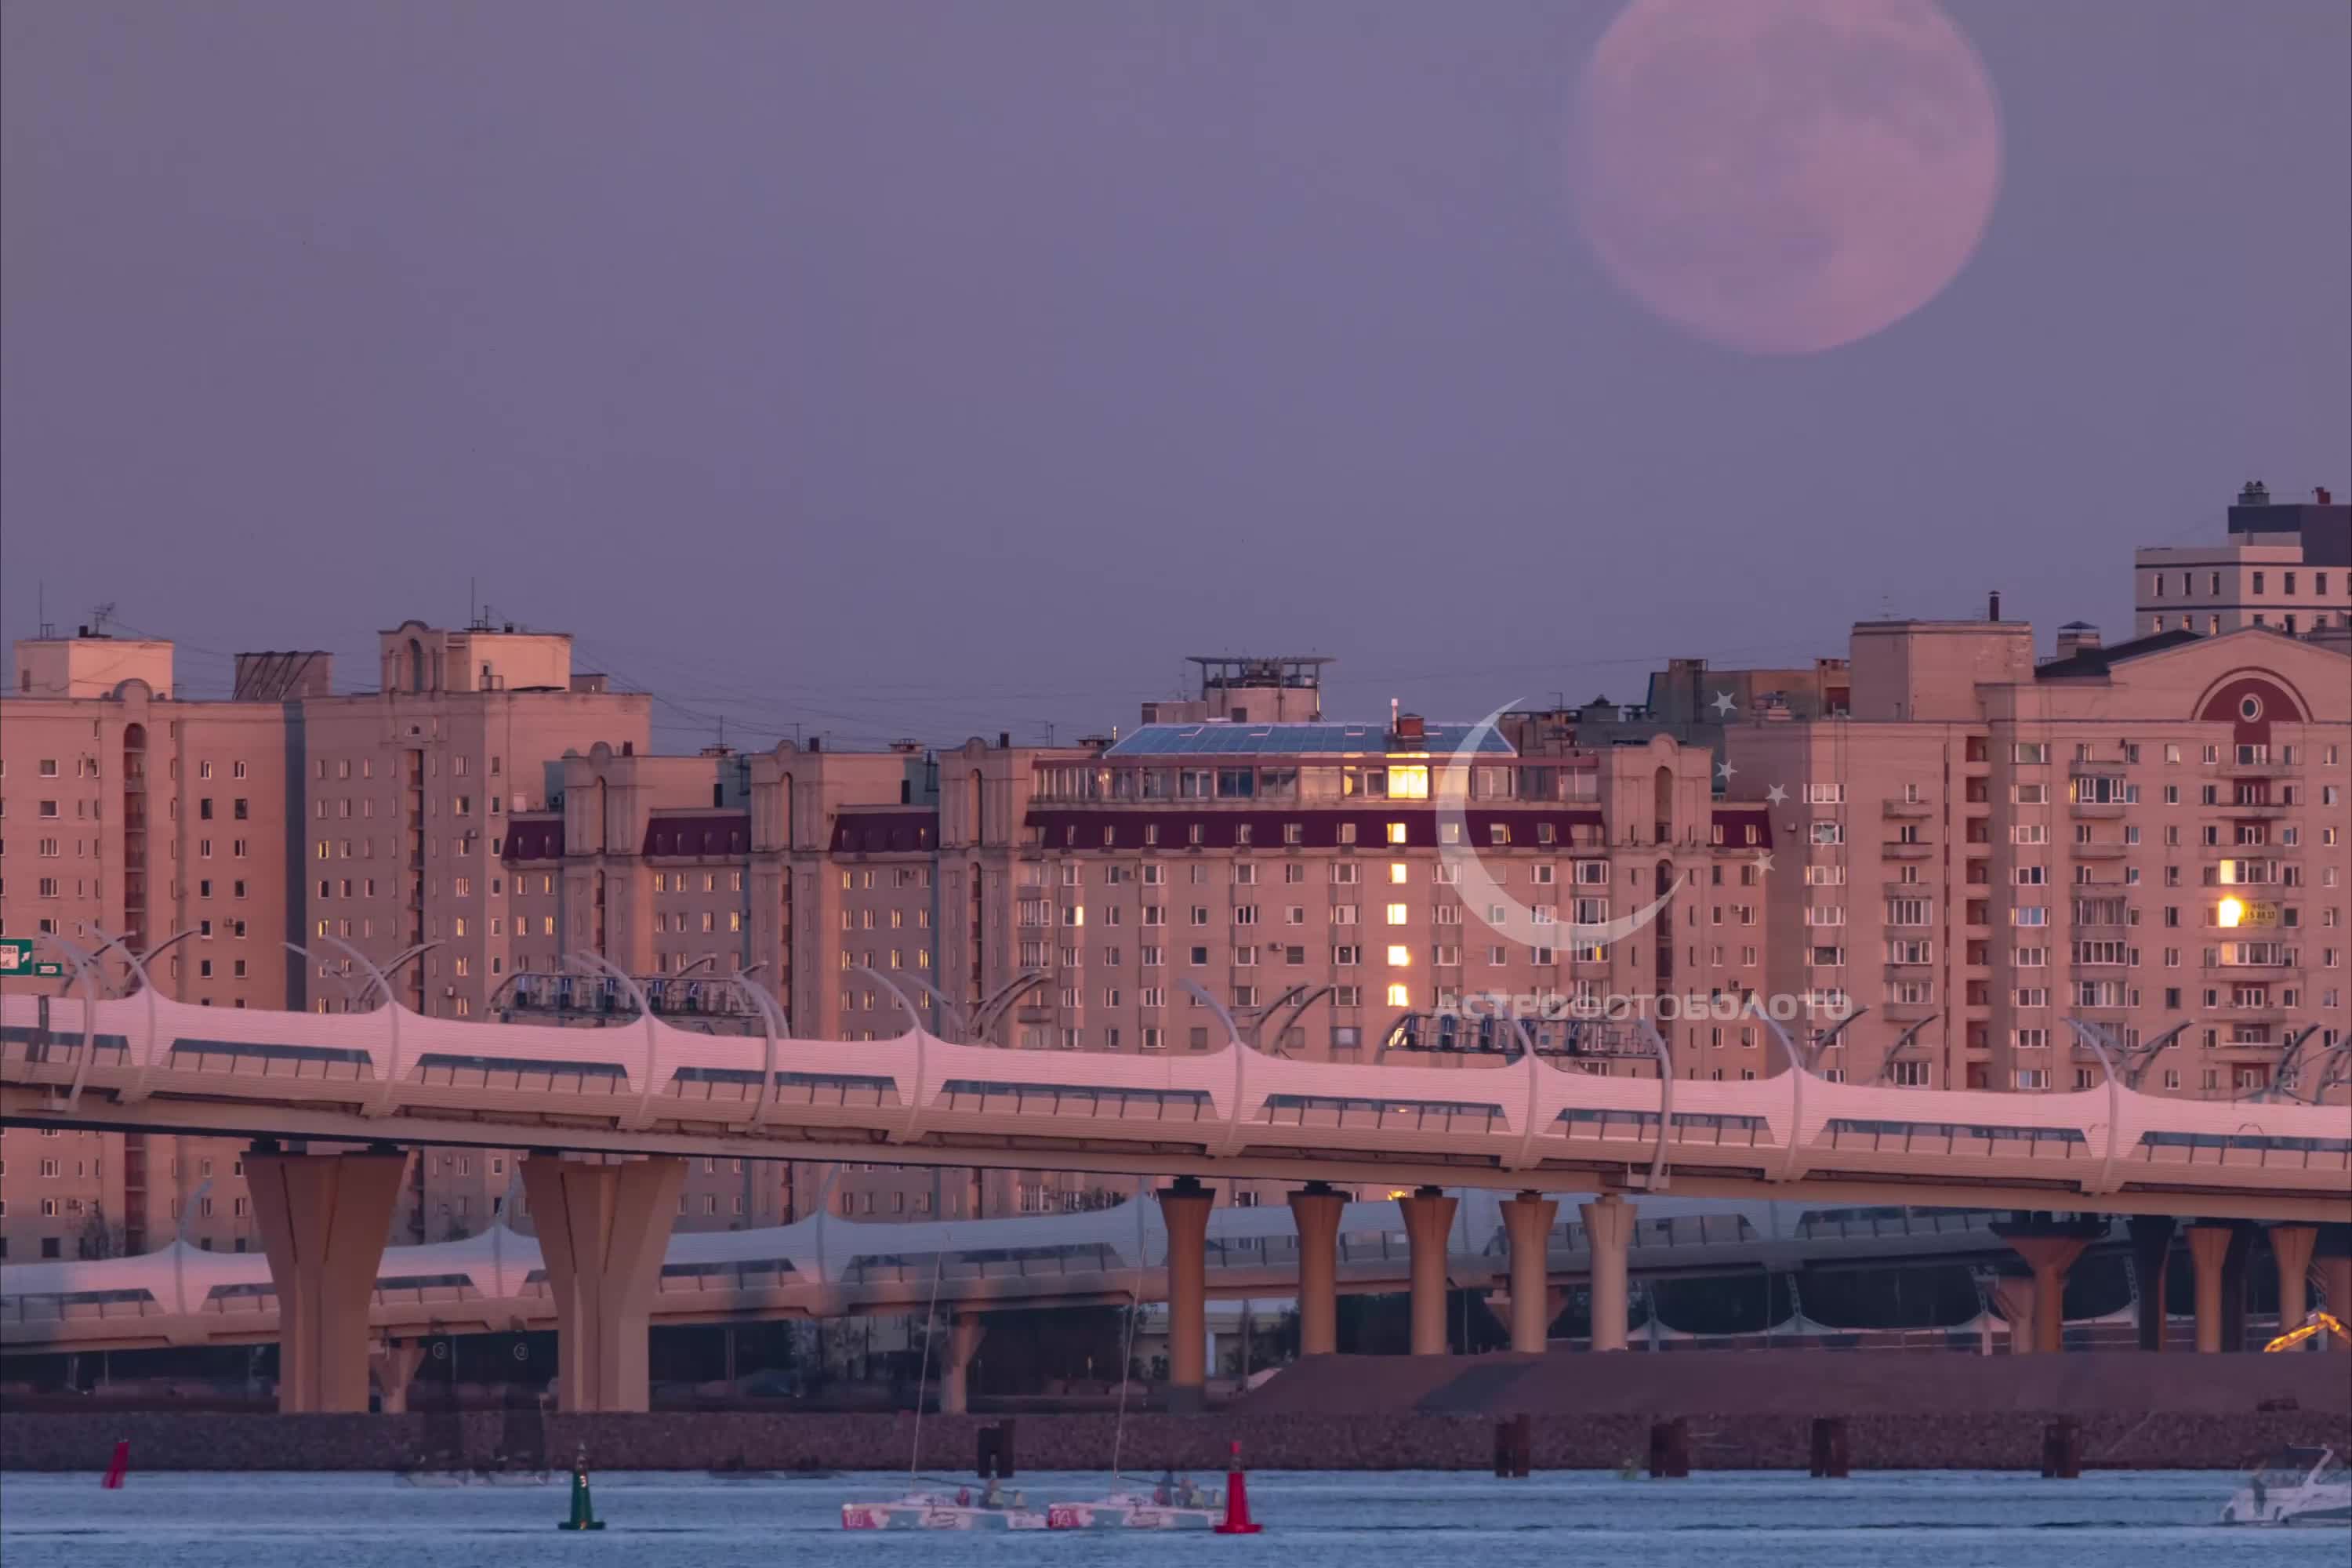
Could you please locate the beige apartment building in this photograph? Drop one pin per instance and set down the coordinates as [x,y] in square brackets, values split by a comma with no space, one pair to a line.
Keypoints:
[126,814]
[2150,837]
[2284,565]
[1969,844]
[215,833]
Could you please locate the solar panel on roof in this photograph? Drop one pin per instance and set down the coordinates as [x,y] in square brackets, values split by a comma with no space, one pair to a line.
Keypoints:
[1293,740]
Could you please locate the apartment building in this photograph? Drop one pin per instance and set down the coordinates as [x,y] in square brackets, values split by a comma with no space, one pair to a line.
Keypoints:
[2285,566]
[213,833]
[133,823]
[2149,837]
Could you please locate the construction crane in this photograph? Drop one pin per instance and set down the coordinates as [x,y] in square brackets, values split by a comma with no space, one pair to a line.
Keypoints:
[2316,1323]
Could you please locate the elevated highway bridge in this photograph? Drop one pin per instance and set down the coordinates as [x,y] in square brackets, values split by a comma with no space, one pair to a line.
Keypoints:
[1524,1125]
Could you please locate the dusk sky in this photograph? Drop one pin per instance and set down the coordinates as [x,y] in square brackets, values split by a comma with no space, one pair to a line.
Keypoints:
[932,369]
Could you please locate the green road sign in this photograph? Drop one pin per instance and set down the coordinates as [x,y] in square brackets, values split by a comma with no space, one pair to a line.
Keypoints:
[17,959]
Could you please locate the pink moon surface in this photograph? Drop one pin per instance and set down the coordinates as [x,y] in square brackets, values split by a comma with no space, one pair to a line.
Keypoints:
[1784,176]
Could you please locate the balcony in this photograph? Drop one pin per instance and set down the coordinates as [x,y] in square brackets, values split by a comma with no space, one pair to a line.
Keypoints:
[1907,808]
[2098,810]
[1906,851]
[2098,851]
[2262,770]
[1907,1012]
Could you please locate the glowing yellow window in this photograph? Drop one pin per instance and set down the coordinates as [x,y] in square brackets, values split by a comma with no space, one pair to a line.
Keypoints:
[1399,958]
[1398,871]
[2231,912]
[1400,995]
[1397,914]
[1396,831]
[1409,782]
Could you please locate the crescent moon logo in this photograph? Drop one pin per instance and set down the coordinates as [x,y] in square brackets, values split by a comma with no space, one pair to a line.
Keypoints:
[1497,910]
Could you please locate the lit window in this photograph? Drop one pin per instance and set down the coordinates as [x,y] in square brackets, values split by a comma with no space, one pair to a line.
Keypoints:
[1398,914]
[1400,957]
[1396,832]
[1409,783]
[1397,871]
[1400,995]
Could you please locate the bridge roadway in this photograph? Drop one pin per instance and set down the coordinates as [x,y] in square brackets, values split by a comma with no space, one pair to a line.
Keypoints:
[148,1063]
[1527,1125]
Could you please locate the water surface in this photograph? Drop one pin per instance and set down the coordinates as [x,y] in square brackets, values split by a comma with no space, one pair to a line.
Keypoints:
[1389,1520]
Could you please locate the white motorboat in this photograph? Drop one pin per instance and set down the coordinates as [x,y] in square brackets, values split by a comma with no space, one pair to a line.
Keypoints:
[960,1509]
[1167,1506]
[2294,1486]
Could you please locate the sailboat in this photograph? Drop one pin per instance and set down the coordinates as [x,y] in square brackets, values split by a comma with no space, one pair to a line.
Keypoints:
[992,1508]
[1174,1502]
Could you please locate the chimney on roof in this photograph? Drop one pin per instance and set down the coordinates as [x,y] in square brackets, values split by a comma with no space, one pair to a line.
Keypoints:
[1408,727]
[2319,494]
[1992,607]
[2257,493]
[2076,636]
[1005,740]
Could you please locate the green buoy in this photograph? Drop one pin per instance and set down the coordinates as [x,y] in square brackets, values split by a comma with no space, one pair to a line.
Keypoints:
[583,1511]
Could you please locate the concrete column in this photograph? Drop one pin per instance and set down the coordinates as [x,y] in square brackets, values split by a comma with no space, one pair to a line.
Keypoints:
[2291,1247]
[2013,1298]
[1527,1220]
[2336,1286]
[2209,1248]
[396,1362]
[603,1229]
[965,1331]
[2151,1245]
[2049,1256]
[1428,1217]
[1609,1228]
[323,1220]
[1185,1206]
[1315,1210]
[2233,1284]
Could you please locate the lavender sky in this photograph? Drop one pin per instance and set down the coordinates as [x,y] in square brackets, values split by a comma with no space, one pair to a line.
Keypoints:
[926,369]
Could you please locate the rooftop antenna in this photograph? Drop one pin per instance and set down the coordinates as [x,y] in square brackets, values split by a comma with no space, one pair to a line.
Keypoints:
[98,616]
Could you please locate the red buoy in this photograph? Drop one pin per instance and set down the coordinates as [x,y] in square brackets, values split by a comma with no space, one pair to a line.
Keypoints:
[1237,1517]
[121,1465]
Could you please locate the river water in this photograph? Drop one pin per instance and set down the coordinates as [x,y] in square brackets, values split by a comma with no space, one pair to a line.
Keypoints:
[1394,1519]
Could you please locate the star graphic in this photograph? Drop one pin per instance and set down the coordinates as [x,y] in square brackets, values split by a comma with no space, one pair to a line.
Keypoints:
[1777,795]
[1723,702]
[1724,770]
[1766,862]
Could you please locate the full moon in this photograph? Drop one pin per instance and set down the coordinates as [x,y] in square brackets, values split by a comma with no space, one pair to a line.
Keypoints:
[1784,176]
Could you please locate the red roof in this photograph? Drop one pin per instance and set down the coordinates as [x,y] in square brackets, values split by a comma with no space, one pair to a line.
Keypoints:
[700,833]
[534,838]
[1317,829]
[886,832]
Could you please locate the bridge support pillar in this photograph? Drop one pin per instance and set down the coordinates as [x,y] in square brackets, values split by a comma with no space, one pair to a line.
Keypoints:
[1527,1220]
[2208,1251]
[323,1219]
[2050,1256]
[603,1229]
[2334,1267]
[2151,1249]
[965,1331]
[1428,1217]
[396,1362]
[1316,1210]
[2012,1298]
[1609,1228]
[2290,1248]
[1184,1204]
